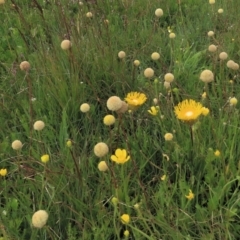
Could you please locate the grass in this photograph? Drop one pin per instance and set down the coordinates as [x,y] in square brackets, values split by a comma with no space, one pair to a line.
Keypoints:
[152,186]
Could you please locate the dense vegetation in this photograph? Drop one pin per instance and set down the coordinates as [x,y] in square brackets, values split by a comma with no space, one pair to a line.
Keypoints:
[177,174]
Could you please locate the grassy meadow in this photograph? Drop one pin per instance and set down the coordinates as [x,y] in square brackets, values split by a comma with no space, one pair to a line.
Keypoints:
[119,120]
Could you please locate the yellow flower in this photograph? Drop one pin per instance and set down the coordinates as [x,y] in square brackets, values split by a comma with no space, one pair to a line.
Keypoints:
[168,137]
[188,110]
[109,120]
[45,158]
[217,153]
[102,166]
[205,111]
[69,143]
[153,111]
[135,99]
[190,196]
[3,172]
[39,218]
[120,156]
[114,201]
[126,233]
[163,177]
[125,218]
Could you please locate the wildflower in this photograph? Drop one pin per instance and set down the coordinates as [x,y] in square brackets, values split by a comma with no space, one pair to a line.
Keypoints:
[169,77]
[123,109]
[101,149]
[89,14]
[45,158]
[211,1]
[233,101]
[217,153]
[66,44]
[172,35]
[102,166]
[163,177]
[120,156]
[223,56]
[3,172]
[114,201]
[136,206]
[39,218]
[167,85]
[207,76]
[136,63]
[106,21]
[188,110]
[25,66]
[148,73]
[109,120]
[39,125]
[235,66]
[69,143]
[158,12]
[168,137]
[126,233]
[114,103]
[190,196]
[125,218]
[212,48]
[85,107]
[205,111]
[155,101]
[230,64]
[220,10]
[2,2]
[155,56]
[153,111]
[210,33]
[121,54]
[17,145]
[135,99]
[204,95]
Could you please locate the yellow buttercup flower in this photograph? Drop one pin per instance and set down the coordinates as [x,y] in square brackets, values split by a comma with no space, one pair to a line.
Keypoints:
[3,172]
[135,99]
[190,196]
[125,218]
[45,158]
[120,156]
[217,153]
[153,110]
[188,110]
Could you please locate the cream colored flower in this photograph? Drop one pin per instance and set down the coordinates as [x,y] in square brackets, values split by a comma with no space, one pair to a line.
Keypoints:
[17,145]
[123,109]
[155,56]
[212,48]
[101,149]
[210,34]
[85,107]
[89,14]
[38,125]
[148,73]
[39,218]
[207,76]
[136,63]
[121,54]
[220,10]
[158,12]
[172,35]
[168,137]
[211,1]
[223,56]
[169,77]
[102,166]
[114,103]
[25,66]
[66,44]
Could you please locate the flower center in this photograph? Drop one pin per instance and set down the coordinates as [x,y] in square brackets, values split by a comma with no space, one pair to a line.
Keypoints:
[135,101]
[189,114]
